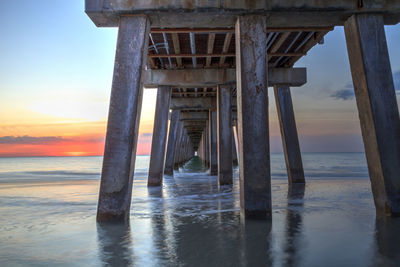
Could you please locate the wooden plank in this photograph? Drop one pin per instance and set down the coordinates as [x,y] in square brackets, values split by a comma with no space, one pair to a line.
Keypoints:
[222,55]
[225,48]
[177,48]
[232,30]
[312,42]
[192,93]
[278,43]
[298,29]
[210,48]
[196,30]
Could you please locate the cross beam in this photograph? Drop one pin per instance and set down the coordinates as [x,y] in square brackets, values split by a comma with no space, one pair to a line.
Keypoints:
[293,77]
[283,13]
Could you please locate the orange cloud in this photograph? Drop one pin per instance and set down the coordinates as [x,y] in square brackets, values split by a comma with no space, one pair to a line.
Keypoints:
[27,146]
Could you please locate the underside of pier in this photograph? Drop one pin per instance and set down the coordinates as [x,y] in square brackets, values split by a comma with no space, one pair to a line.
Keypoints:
[212,62]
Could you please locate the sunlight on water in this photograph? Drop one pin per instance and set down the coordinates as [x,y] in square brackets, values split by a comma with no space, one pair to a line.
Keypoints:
[48,209]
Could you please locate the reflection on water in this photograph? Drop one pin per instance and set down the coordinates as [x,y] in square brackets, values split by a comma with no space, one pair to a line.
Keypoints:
[190,221]
[115,244]
[387,241]
[294,219]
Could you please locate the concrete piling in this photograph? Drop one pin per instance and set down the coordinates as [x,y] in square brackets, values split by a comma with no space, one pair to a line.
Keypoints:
[158,144]
[178,145]
[290,140]
[252,108]
[172,139]
[212,129]
[377,107]
[200,123]
[120,148]
[224,135]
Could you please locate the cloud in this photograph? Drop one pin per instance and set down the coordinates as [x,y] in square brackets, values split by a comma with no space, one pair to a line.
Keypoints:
[145,138]
[344,94]
[146,135]
[30,139]
[347,93]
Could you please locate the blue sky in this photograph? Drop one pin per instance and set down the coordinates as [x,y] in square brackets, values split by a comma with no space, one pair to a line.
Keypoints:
[51,51]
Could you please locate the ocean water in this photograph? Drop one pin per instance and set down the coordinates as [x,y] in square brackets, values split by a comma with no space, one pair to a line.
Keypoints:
[48,210]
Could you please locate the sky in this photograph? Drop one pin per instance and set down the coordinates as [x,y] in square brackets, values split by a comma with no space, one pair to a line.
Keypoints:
[56,70]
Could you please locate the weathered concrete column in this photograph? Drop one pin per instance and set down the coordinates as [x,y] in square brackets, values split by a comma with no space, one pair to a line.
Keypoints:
[290,140]
[207,144]
[181,147]
[224,112]
[178,145]
[213,142]
[172,139]
[377,107]
[120,147]
[252,108]
[159,140]
[184,148]
[234,150]
[200,150]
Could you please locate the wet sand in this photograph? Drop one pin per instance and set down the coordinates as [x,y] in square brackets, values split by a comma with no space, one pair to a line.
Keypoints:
[190,221]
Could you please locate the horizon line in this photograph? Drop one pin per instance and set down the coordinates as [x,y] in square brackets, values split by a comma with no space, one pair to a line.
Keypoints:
[65,156]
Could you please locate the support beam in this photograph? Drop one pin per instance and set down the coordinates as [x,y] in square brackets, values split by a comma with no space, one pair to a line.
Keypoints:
[224,119]
[190,116]
[217,14]
[252,99]
[122,127]
[178,145]
[207,144]
[213,142]
[210,48]
[158,143]
[201,103]
[290,140]
[225,48]
[172,139]
[177,48]
[377,107]
[293,77]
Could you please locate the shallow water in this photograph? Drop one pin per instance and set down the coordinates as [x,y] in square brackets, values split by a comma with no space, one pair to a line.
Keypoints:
[48,208]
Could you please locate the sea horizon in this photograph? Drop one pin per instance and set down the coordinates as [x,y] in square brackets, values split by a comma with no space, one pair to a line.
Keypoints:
[48,216]
[65,156]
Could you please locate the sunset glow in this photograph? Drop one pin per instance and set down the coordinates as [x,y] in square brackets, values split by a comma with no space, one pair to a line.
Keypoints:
[65,132]
[56,76]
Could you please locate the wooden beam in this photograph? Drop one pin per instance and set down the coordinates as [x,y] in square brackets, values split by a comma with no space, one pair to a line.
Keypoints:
[225,48]
[313,41]
[210,48]
[192,93]
[151,61]
[222,55]
[298,29]
[232,30]
[193,48]
[189,55]
[177,48]
[278,43]
[196,30]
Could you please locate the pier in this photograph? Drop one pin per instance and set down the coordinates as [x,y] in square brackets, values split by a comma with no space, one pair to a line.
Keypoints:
[212,62]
